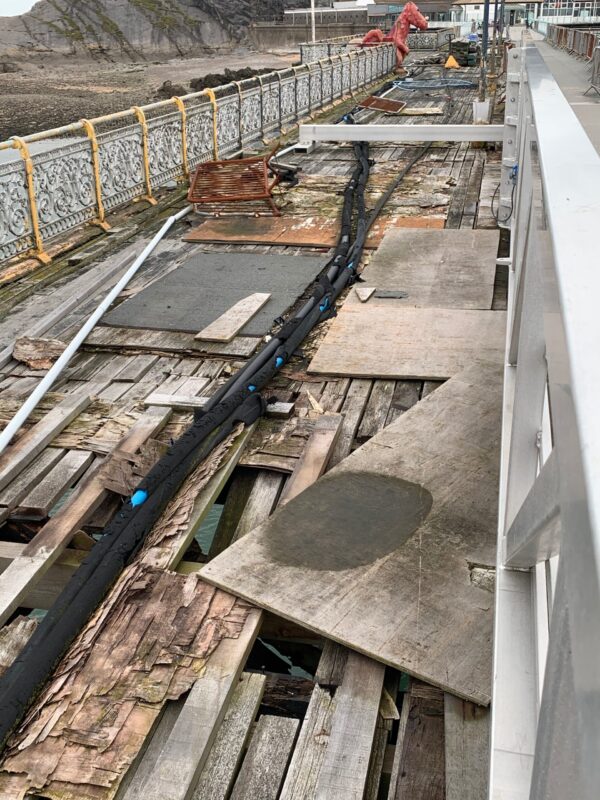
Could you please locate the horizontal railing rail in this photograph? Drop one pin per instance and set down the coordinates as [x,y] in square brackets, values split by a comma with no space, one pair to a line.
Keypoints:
[54,181]
[546,700]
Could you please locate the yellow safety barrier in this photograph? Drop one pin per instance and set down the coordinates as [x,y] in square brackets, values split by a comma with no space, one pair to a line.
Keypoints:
[141,118]
[213,100]
[91,134]
[41,254]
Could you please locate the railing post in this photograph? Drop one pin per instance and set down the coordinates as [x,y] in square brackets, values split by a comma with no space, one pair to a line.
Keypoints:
[184,157]
[213,101]
[91,134]
[141,118]
[41,254]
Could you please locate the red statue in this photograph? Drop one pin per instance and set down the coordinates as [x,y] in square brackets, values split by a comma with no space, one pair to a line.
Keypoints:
[409,16]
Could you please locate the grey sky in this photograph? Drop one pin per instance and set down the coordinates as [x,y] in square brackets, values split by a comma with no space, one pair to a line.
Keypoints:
[10,8]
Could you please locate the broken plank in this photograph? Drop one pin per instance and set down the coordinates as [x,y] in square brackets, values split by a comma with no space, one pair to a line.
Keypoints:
[218,775]
[315,456]
[364,293]
[140,340]
[66,473]
[421,772]
[261,502]
[364,557]
[311,747]
[267,758]
[43,550]
[377,409]
[352,411]
[225,327]
[184,402]
[13,638]
[20,454]
[346,763]
[174,772]
[17,489]
[467,742]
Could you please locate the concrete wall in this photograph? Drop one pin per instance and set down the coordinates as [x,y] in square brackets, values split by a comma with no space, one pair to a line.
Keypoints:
[268,36]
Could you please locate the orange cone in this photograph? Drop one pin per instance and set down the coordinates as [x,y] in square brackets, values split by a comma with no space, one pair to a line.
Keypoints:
[451,63]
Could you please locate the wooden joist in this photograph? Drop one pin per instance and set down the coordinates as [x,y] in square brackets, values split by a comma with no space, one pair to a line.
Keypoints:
[229,324]
[316,454]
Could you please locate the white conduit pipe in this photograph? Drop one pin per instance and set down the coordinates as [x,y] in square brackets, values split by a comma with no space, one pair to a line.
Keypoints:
[56,369]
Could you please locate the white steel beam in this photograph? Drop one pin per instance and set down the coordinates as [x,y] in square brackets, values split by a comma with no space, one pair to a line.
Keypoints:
[401,133]
[535,532]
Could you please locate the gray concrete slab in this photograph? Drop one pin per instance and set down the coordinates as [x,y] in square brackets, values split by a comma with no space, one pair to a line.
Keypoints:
[208,284]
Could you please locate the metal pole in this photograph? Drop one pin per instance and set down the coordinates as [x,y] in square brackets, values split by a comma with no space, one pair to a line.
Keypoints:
[312,20]
[484,49]
[53,373]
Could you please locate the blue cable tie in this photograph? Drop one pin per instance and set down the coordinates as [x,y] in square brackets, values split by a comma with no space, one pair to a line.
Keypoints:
[252,388]
[325,305]
[279,362]
[139,497]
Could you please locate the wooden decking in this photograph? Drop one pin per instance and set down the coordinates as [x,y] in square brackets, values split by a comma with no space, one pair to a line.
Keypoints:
[198,699]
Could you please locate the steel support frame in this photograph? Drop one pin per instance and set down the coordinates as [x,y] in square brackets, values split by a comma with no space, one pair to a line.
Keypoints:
[401,133]
[546,693]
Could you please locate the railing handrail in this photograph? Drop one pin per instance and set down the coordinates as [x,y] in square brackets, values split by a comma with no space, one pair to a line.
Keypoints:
[546,739]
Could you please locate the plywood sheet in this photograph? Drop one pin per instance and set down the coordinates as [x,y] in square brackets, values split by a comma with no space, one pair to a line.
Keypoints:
[388,339]
[377,554]
[444,268]
[301,231]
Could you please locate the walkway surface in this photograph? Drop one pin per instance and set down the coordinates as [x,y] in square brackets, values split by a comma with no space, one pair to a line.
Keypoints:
[573,77]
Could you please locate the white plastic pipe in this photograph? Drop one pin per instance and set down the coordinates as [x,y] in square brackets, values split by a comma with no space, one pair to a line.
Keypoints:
[312,20]
[56,369]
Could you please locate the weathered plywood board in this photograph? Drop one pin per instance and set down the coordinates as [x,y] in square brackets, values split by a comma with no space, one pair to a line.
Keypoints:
[308,230]
[387,339]
[437,268]
[377,555]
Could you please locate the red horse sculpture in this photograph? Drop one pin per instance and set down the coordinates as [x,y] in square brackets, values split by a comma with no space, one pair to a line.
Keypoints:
[409,16]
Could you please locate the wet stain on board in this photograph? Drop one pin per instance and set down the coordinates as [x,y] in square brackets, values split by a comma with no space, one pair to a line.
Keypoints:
[346,521]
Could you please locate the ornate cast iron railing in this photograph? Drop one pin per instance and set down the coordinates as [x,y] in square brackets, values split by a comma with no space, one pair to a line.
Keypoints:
[55,181]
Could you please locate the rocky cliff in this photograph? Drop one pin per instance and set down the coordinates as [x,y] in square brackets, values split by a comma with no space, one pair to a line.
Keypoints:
[129,29]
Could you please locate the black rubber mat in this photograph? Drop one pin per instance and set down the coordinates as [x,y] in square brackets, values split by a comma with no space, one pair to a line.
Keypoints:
[195,294]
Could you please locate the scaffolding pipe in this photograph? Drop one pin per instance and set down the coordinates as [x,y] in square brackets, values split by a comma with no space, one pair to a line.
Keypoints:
[54,372]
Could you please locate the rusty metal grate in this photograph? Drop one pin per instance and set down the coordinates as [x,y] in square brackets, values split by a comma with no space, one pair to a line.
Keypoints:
[381,104]
[232,181]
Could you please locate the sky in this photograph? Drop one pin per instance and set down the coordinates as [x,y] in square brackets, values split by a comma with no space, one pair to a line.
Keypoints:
[10,8]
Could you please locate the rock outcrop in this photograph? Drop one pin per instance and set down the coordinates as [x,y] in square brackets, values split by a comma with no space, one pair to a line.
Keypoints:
[128,29]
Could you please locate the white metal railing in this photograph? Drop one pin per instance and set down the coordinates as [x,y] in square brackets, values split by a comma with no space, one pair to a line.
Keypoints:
[546,700]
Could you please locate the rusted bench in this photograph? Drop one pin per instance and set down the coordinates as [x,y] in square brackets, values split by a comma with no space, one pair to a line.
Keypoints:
[235,180]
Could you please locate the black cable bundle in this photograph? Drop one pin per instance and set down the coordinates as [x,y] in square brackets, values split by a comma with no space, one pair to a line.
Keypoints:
[238,400]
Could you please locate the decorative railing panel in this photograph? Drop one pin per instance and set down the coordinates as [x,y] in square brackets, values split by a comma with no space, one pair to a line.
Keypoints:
[165,151]
[199,133]
[121,156]
[15,217]
[136,152]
